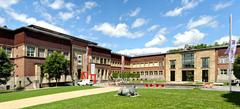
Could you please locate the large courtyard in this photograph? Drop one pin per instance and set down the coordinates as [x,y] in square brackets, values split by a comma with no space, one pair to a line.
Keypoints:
[152,99]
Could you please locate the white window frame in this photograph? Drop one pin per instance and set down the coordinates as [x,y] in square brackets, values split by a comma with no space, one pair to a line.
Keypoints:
[31,51]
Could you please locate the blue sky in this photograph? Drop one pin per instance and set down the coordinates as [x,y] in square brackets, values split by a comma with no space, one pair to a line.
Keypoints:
[131,27]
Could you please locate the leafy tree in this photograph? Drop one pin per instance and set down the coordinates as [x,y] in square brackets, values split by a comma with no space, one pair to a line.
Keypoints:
[137,75]
[66,68]
[115,75]
[200,46]
[236,67]
[239,41]
[55,66]
[6,67]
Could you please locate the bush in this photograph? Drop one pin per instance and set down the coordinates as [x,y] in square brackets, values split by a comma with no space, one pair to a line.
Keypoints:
[20,88]
[115,75]
[236,67]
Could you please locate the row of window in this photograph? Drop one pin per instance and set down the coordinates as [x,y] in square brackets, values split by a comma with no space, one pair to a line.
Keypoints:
[41,52]
[144,72]
[151,73]
[188,62]
[223,72]
[147,64]
[101,60]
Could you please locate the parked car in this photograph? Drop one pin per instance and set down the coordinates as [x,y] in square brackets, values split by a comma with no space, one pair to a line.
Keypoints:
[85,82]
[235,82]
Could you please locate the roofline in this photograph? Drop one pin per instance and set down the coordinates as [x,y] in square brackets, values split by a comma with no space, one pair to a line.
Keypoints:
[41,31]
[65,35]
[192,50]
[150,54]
[120,54]
[8,29]
[93,45]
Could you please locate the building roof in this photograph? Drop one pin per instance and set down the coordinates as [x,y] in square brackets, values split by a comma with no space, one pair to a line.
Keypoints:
[120,54]
[191,50]
[150,54]
[41,31]
[5,28]
[61,34]
[96,46]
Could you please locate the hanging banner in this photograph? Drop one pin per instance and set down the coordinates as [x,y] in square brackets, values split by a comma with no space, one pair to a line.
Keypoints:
[231,50]
[122,63]
[92,68]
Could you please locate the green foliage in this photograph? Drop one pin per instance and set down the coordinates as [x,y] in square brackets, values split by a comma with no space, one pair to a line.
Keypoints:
[238,41]
[6,67]
[55,66]
[200,46]
[115,75]
[236,67]
[155,98]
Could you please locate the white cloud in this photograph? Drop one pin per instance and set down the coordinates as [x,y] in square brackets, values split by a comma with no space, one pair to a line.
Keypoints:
[158,39]
[108,45]
[57,4]
[31,20]
[7,3]
[88,19]
[88,5]
[153,27]
[163,31]
[119,30]
[186,5]
[125,1]
[2,21]
[91,38]
[69,6]
[135,12]
[192,36]
[65,15]
[143,51]
[202,21]
[222,5]
[138,22]
[225,39]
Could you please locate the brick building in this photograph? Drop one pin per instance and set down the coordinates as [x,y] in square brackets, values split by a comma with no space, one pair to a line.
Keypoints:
[29,46]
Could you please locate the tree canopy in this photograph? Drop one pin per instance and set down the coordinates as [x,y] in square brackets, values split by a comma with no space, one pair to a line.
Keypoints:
[236,67]
[55,66]
[6,67]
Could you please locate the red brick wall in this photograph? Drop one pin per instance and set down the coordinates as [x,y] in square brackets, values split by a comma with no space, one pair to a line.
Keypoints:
[30,66]
[47,41]
[6,37]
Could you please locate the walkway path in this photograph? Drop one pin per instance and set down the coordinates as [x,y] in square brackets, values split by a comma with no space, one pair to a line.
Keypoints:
[21,103]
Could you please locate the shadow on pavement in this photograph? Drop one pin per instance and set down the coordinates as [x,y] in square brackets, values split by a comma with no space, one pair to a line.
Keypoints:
[233,97]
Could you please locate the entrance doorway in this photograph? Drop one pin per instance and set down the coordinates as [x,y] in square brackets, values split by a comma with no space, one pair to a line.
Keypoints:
[172,76]
[79,74]
[188,75]
[204,75]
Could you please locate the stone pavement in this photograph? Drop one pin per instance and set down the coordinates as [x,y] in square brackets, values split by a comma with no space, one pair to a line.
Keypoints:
[26,102]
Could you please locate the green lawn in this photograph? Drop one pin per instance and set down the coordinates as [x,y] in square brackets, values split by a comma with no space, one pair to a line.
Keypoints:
[152,99]
[8,95]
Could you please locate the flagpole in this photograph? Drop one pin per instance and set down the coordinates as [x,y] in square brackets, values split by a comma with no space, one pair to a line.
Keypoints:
[230,55]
